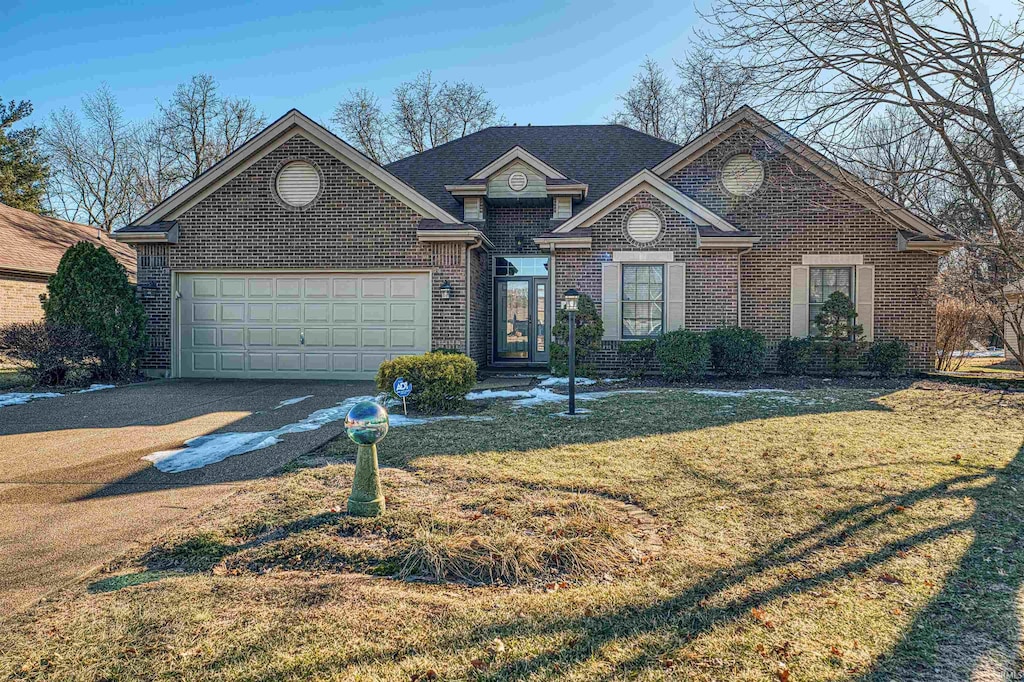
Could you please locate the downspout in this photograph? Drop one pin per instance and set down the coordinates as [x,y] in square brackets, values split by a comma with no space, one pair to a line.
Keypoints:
[469,272]
[739,286]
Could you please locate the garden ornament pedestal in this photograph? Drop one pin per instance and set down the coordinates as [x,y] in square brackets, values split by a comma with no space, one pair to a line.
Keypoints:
[366,424]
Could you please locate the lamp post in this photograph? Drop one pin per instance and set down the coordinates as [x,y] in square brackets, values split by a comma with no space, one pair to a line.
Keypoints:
[572,302]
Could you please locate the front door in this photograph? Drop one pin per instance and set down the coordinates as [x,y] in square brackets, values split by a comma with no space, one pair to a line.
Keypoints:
[521,316]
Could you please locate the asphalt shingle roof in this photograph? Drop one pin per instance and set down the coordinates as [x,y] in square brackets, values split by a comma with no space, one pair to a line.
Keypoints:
[603,156]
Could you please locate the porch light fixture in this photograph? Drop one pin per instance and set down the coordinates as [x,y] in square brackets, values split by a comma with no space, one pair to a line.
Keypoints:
[572,303]
[446,290]
[572,300]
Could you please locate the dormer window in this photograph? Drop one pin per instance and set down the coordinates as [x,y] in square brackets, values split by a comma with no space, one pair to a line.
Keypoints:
[562,208]
[474,209]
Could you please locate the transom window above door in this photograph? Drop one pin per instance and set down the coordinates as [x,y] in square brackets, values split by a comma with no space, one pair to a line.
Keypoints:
[526,266]
[643,298]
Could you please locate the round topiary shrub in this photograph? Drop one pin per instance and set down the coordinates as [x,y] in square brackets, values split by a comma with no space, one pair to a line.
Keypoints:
[589,331]
[795,355]
[683,354]
[737,352]
[887,358]
[440,381]
[90,290]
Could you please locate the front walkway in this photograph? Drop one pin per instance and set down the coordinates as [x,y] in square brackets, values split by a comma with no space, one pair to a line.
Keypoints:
[75,492]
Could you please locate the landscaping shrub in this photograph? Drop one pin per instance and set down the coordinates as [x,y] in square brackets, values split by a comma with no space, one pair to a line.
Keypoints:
[683,354]
[440,381]
[51,354]
[887,358]
[737,352]
[589,331]
[837,324]
[795,355]
[90,290]
[636,357]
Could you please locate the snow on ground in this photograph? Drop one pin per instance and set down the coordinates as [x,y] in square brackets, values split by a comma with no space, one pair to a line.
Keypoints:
[716,393]
[96,387]
[22,398]
[292,401]
[564,381]
[216,447]
[775,394]
[541,395]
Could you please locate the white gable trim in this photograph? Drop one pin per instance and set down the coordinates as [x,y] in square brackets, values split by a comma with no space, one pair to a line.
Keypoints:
[805,156]
[272,137]
[511,155]
[647,181]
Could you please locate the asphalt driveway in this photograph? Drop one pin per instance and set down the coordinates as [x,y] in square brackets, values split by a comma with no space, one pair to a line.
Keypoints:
[74,491]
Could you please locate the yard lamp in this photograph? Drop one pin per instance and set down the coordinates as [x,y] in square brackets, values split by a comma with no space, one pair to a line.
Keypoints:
[572,302]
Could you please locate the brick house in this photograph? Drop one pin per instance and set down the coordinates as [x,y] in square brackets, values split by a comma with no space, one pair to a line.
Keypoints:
[31,247]
[296,256]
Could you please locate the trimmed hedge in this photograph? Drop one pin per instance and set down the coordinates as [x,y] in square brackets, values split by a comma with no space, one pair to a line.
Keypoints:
[683,354]
[737,352]
[440,381]
[637,356]
[887,358]
[795,355]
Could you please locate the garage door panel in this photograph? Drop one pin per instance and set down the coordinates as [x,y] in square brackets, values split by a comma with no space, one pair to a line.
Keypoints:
[296,325]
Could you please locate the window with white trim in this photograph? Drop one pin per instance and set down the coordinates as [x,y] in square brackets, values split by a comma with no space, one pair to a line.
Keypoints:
[643,299]
[825,281]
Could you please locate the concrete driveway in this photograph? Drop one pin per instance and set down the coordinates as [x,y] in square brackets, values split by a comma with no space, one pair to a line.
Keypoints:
[74,491]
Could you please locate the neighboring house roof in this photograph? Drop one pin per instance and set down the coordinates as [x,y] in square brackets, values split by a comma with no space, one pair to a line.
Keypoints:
[602,156]
[34,244]
[277,133]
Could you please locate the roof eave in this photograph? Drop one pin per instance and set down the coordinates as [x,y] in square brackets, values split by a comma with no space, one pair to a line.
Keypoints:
[744,242]
[556,243]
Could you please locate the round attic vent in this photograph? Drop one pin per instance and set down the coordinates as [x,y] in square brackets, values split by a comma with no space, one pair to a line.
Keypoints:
[643,226]
[517,181]
[742,175]
[298,183]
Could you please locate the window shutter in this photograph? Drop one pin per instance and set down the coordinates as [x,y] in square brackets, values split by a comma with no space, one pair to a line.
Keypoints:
[799,301]
[611,313]
[675,310]
[866,300]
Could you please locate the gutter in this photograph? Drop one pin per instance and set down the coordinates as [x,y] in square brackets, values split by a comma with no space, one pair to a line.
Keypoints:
[469,280]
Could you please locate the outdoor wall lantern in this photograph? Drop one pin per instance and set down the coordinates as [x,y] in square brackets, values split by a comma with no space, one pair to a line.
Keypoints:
[446,290]
[572,303]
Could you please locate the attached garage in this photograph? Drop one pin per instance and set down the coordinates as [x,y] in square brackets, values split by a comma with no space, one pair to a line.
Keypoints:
[299,325]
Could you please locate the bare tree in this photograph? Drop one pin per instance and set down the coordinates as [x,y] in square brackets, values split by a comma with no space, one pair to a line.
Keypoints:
[201,127]
[710,88]
[424,114]
[707,88]
[835,64]
[154,179]
[91,161]
[362,122]
[651,105]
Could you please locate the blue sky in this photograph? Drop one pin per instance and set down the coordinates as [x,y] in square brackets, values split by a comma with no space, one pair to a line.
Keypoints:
[542,63]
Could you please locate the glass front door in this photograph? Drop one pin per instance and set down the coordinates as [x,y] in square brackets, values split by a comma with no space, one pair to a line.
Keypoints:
[521,319]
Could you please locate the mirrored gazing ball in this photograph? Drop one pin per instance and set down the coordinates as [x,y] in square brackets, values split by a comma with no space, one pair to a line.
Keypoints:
[367,423]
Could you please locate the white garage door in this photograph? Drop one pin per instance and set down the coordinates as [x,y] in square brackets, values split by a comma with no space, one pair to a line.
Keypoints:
[300,325]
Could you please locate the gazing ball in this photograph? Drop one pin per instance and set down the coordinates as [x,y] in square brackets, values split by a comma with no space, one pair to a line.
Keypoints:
[367,423]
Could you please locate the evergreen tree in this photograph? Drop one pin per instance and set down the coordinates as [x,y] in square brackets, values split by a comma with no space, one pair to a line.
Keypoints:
[23,168]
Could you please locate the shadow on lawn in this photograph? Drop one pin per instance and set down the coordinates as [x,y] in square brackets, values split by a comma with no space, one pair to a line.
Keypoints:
[951,638]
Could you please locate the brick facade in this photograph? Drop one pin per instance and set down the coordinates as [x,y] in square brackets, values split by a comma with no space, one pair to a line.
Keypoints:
[19,298]
[796,213]
[352,225]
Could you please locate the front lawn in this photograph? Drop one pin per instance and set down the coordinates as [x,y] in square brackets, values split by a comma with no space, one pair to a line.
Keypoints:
[844,533]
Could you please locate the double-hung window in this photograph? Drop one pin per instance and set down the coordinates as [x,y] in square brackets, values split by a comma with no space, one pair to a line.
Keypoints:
[825,282]
[643,300]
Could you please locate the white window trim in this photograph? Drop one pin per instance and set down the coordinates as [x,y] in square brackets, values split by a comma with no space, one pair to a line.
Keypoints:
[623,301]
[834,259]
[643,257]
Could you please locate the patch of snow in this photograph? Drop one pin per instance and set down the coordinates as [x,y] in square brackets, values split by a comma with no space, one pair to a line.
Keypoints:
[541,395]
[22,398]
[396,420]
[613,381]
[717,393]
[564,381]
[96,387]
[216,447]
[292,401]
